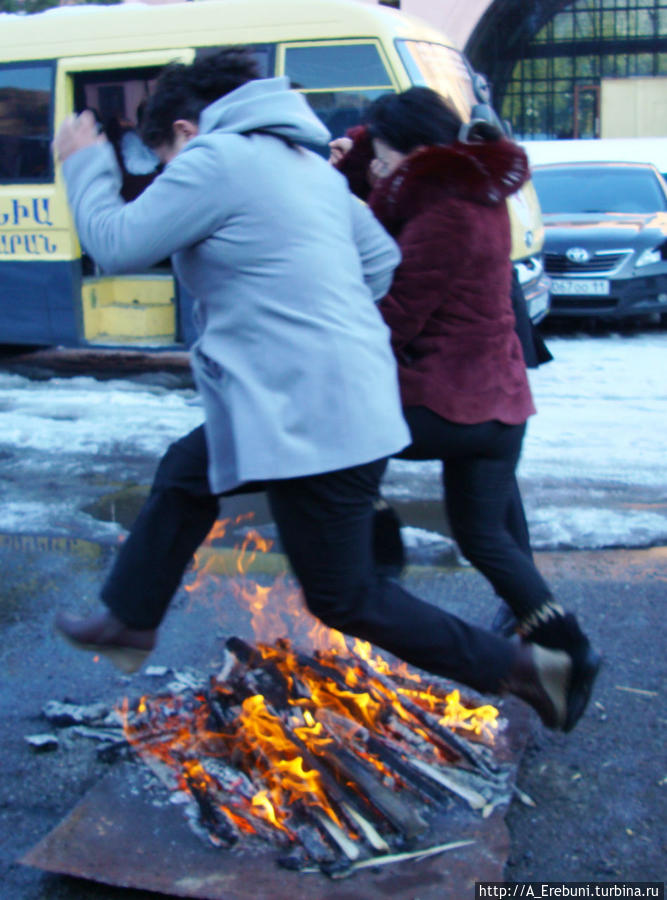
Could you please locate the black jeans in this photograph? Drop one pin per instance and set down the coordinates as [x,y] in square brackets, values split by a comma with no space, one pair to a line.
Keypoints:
[325,523]
[483,501]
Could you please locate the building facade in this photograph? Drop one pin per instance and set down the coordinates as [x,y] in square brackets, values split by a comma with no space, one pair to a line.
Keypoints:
[582,69]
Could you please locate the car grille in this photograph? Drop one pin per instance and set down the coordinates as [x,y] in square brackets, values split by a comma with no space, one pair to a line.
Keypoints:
[559,264]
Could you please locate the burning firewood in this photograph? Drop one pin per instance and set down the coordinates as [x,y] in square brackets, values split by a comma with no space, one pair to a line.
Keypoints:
[323,755]
[451,742]
[213,815]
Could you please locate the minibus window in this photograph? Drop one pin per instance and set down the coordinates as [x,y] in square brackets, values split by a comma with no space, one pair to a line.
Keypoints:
[265,56]
[336,66]
[338,80]
[340,110]
[442,68]
[25,122]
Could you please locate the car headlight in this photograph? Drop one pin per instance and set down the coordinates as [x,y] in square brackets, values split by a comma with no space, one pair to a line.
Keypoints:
[654,255]
[529,269]
[648,257]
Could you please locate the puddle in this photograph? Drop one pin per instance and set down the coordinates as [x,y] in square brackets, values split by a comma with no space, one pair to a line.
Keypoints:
[426,514]
[121,506]
[246,511]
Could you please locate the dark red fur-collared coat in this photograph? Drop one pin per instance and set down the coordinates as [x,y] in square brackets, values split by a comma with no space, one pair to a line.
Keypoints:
[449,307]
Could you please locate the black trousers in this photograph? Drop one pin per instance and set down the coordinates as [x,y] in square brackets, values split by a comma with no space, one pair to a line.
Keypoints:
[483,501]
[325,523]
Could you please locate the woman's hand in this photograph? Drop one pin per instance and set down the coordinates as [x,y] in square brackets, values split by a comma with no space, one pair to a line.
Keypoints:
[377,170]
[339,148]
[75,133]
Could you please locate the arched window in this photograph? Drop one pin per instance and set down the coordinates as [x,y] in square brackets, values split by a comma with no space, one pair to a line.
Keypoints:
[554,89]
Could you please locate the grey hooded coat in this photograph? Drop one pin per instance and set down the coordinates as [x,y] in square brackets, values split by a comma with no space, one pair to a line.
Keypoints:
[293,360]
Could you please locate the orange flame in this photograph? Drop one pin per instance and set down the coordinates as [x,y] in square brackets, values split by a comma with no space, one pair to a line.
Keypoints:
[262,807]
[288,776]
[479,720]
[338,690]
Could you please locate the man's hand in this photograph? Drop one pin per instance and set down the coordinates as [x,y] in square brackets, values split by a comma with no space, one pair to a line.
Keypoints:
[339,148]
[75,133]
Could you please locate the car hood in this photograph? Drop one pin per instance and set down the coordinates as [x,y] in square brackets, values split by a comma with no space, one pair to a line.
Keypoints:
[605,230]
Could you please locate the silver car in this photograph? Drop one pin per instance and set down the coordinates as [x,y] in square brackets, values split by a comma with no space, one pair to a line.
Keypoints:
[605,246]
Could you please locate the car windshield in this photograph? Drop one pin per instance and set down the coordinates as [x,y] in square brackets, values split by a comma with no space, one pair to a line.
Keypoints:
[587,189]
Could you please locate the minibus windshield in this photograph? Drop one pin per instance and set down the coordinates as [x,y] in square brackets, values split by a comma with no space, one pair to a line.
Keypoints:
[442,68]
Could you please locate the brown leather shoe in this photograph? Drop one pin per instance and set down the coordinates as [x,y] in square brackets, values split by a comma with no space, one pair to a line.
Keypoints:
[541,678]
[127,648]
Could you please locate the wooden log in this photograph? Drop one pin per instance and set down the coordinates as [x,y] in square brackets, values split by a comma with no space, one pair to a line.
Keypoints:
[392,858]
[335,794]
[442,776]
[383,748]
[450,740]
[261,676]
[398,763]
[403,817]
[244,652]
[348,847]
[375,839]
[317,848]
[344,805]
[211,817]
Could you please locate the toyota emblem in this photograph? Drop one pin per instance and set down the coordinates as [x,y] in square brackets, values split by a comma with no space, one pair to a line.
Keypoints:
[578,255]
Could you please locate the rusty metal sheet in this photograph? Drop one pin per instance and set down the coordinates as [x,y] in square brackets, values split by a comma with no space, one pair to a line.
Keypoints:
[121,835]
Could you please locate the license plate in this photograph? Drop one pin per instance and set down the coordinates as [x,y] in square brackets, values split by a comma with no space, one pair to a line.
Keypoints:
[598,287]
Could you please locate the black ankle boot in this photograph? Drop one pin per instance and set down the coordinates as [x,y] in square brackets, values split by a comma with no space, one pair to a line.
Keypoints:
[541,678]
[550,626]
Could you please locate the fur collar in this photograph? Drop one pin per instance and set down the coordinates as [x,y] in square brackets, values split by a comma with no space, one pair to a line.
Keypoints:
[484,173]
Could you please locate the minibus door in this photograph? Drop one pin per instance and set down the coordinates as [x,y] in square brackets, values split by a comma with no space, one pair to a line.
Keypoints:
[135,309]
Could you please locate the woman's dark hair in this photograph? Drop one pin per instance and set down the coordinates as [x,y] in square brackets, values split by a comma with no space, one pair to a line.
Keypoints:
[183,91]
[418,116]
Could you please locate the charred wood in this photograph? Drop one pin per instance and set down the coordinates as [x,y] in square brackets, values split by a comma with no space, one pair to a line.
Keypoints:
[349,768]
[452,742]
[211,817]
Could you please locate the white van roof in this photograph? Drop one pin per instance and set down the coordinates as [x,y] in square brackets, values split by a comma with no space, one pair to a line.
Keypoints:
[636,149]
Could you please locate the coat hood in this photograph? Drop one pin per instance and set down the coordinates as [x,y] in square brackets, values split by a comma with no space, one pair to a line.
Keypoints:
[485,173]
[266,104]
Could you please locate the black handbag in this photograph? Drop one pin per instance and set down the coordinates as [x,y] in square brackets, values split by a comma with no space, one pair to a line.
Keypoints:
[535,351]
[388,549]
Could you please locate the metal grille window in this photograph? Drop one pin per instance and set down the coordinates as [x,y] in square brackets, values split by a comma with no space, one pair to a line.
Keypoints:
[554,88]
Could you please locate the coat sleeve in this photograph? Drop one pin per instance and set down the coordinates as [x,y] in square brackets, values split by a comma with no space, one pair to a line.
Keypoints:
[183,205]
[355,164]
[379,252]
[430,248]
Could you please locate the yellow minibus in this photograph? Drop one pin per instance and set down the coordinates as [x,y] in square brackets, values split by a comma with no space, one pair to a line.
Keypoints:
[341,54]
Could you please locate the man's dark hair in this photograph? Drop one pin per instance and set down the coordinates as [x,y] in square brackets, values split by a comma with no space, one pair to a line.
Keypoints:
[418,116]
[183,91]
